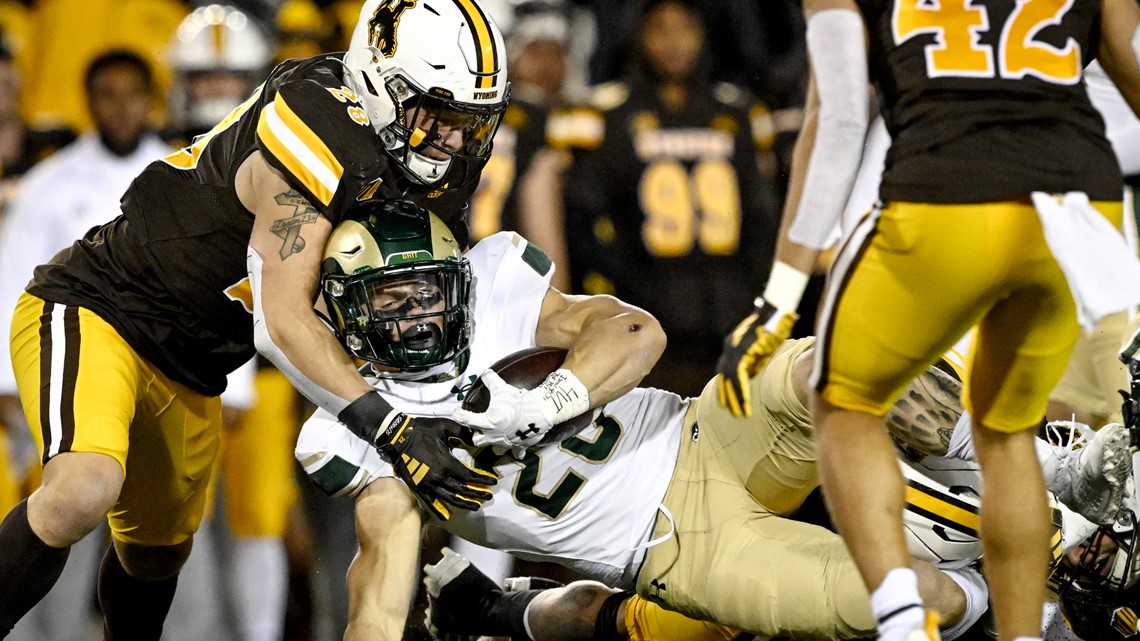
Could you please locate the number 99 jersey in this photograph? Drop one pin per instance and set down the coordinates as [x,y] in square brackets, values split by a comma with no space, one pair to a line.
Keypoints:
[667,209]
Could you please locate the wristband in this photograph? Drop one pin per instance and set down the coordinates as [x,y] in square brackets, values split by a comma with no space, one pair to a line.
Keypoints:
[785,288]
[367,416]
[562,396]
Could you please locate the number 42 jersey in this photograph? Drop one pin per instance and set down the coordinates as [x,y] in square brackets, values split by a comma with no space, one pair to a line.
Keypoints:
[589,502]
[990,89]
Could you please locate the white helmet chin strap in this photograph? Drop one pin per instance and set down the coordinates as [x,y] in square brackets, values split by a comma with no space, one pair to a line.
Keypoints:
[426,170]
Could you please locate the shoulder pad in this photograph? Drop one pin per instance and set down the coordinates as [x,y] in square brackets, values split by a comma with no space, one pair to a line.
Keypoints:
[312,132]
[609,96]
[576,128]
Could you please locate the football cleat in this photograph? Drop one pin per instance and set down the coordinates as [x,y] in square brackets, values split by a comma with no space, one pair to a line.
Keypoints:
[1093,470]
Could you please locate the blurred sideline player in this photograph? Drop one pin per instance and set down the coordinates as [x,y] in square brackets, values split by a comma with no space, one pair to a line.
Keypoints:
[21,147]
[537,41]
[209,264]
[57,201]
[219,54]
[665,203]
[66,35]
[303,30]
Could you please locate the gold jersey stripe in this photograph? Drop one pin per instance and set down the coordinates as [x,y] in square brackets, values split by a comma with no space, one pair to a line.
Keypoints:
[486,54]
[946,511]
[301,150]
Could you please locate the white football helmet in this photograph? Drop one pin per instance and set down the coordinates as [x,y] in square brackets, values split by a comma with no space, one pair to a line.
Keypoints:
[940,519]
[219,55]
[432,75]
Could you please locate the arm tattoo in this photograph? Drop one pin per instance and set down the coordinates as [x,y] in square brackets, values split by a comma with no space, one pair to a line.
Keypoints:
[289,229]
[923,418]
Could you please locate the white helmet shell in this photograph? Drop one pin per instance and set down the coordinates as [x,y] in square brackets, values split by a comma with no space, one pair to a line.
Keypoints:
[940,519]
[219,37]
[448,49]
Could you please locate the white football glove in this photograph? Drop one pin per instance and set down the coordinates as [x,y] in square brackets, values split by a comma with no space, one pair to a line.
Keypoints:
[517,418]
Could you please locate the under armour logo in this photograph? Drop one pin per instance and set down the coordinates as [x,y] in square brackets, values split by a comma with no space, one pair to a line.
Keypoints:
[658,587]
[460,391]
[522,434]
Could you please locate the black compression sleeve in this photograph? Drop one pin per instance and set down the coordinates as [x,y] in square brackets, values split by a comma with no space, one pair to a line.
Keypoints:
[364,415]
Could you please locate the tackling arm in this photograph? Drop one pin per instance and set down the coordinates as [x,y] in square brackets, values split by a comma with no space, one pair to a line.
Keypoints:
[825,162]
[284,262]
[382,577]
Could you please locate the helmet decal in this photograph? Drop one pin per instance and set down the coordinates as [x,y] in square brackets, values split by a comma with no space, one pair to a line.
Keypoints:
[382,26]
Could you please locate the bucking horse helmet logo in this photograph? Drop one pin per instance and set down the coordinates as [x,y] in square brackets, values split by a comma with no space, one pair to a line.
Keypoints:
[382,26]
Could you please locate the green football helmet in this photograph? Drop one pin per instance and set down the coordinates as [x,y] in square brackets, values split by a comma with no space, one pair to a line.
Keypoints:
[397,287]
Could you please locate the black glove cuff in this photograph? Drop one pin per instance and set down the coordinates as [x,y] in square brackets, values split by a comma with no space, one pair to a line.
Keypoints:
[364,416]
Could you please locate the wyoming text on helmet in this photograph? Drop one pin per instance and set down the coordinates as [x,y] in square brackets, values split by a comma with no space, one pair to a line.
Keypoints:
[432,75]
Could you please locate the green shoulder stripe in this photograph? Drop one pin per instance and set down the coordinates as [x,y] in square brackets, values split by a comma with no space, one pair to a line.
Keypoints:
[537,259]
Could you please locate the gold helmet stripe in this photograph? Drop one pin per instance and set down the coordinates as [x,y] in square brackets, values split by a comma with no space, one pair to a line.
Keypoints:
[486,53]
[942,508]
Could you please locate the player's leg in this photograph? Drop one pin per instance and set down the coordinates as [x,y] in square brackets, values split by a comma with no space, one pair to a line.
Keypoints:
[902,290]
[773,451]
[259,488]
[78,383]
[1019,353]
[174,443]
[1088,388]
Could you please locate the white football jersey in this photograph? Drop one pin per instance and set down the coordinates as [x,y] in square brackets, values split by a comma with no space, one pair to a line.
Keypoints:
[589,502]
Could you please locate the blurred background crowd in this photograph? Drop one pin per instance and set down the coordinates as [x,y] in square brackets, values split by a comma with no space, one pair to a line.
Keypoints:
[647,150]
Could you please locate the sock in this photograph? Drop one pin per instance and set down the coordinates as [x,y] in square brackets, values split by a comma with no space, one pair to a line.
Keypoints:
[896,604]
[606,626]
[133,610]
[28,567]
[258,580]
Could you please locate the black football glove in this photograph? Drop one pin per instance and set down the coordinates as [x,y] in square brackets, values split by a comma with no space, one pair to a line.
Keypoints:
[419,449]
[746,350]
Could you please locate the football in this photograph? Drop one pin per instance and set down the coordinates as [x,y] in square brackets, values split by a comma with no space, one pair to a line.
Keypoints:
[526,369]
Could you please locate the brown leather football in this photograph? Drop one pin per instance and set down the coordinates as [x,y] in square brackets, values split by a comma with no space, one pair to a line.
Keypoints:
[525,369]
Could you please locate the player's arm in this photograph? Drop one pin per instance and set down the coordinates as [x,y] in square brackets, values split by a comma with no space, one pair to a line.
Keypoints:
[612,344]
[1120,47]
[825,163]
[286,247]
[288,239]
[382,577]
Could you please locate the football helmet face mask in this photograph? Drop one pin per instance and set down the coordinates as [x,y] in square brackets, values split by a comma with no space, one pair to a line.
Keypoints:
[433,79]
[397,288]
[1097,583]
